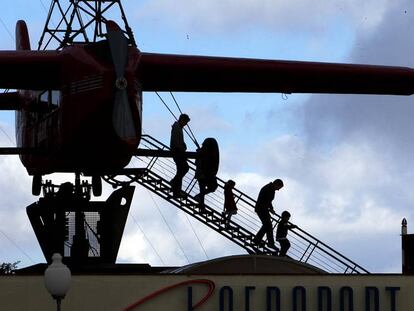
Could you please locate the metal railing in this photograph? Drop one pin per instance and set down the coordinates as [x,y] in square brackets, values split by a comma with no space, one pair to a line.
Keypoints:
[304,247]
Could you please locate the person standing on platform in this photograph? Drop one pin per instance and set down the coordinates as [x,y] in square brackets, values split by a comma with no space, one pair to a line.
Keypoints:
[178,148]
[263,209]
[282,231]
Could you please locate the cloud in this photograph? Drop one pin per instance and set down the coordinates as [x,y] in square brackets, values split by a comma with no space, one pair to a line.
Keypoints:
[17,240]
[335,194]
[285,16]
[358,152]
[347,172]
[382,120]
[371,133]
[158,233]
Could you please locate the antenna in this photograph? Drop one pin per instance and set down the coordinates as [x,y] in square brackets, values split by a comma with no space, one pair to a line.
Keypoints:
[80,21]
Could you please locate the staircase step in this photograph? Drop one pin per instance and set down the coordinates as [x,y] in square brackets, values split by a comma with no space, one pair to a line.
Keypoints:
[164,188]
[155,181]
[232,228]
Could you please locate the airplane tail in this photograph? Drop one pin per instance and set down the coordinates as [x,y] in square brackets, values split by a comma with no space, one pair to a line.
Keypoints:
[22,36]
[11,100]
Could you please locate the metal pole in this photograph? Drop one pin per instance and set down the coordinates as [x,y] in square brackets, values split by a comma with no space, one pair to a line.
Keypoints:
[58,303]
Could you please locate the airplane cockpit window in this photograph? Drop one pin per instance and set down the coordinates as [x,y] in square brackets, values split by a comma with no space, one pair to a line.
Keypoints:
[56,98]
[49,100]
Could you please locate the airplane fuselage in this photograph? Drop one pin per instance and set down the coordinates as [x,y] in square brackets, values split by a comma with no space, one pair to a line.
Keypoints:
[74,122]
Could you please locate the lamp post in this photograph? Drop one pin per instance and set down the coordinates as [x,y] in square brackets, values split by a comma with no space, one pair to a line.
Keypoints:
[57,279]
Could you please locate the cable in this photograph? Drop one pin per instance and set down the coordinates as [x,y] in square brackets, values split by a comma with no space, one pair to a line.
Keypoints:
[192,134]
[5,133]
[165,221]
[166,106]
[43,5]
[179,109]
[17,246]
[91,248]
[195,233]
[93,232]
[176,119]
[145,236]
[192,228]
[7,29]
[148,240]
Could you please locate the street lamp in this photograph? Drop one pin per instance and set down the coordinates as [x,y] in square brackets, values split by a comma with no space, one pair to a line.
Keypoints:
[57,279]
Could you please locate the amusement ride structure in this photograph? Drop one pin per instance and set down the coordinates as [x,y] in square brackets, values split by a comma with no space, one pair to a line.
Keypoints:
[79,110]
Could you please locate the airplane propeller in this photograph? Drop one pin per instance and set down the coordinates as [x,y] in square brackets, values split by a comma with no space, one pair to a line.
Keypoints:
[122,118]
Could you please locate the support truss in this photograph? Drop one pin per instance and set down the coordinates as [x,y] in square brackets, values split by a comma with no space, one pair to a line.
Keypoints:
[80,21]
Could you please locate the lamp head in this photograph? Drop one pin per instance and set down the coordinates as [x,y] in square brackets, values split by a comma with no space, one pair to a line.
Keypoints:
[57,277]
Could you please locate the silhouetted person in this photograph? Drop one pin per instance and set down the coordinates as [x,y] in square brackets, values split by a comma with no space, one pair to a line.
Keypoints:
[206,185]
[178,147]
[282,231]
[263,209]
[230,207]
[207,182]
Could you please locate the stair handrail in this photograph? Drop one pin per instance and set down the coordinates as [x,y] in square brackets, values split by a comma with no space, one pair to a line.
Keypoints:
[300,234]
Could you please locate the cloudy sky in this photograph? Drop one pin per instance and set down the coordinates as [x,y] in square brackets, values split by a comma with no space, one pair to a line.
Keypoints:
[346,160]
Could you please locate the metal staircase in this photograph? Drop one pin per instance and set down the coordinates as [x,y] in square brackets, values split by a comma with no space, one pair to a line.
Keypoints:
[155,174]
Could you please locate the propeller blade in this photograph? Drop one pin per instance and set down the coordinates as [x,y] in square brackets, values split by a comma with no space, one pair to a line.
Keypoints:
[118,45]
[122,119]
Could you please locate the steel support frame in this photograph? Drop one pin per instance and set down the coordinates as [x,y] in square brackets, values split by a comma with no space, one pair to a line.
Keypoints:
[79,21]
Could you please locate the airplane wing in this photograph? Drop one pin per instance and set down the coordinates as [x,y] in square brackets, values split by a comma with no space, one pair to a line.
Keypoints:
[163,72]
[32,70]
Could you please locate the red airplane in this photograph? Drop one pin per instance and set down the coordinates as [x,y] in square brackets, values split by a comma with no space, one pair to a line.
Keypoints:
[79,109]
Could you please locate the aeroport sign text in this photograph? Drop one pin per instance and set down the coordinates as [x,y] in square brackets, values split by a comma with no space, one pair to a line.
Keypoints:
[275,298]
[244,292]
